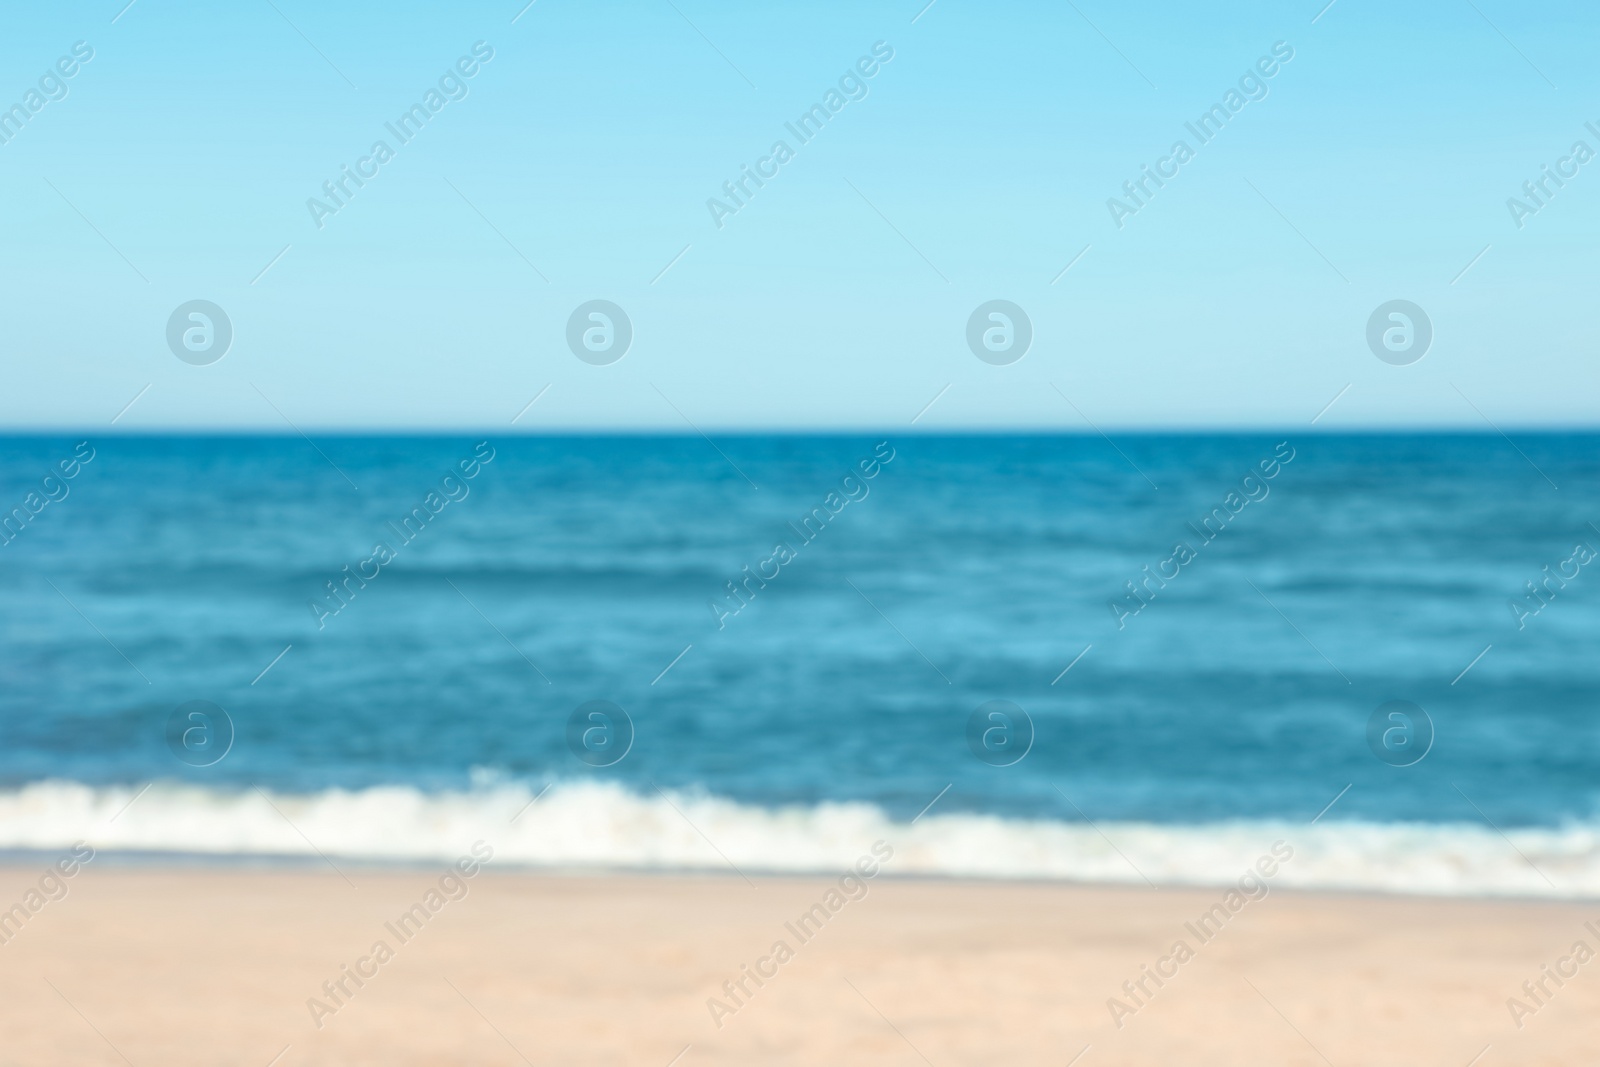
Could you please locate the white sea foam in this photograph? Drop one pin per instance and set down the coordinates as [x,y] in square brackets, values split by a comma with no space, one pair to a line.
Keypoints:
[601,826]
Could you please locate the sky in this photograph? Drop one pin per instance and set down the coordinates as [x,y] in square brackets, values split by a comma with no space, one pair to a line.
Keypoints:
[978,163]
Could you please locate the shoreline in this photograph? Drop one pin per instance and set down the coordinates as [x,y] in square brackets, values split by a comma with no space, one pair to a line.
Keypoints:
[195,965]
[595,827]
[302,863]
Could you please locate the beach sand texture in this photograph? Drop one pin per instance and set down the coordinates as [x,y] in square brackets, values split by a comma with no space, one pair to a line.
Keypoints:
[181,966]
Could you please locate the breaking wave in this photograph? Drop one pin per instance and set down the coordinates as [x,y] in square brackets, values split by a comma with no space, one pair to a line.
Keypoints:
[589,826]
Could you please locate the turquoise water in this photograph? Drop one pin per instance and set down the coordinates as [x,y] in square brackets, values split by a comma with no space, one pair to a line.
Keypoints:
[1237,685]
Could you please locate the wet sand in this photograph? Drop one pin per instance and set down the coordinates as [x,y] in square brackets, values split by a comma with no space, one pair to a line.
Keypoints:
[179,966]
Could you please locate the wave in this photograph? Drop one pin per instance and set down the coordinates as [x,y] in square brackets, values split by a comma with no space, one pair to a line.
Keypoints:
[591,826]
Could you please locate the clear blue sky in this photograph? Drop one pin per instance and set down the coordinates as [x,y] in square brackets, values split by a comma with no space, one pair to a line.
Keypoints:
[978,165]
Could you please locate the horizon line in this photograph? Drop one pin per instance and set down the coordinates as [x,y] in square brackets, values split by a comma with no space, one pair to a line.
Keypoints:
[1398,430]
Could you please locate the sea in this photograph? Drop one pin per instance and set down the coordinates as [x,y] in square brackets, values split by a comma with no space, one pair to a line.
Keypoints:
[1138,659]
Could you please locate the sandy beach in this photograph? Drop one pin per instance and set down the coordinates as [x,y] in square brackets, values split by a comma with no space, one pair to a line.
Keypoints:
[215,966]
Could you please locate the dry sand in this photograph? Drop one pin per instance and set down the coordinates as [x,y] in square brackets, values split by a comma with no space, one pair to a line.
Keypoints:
[182,966]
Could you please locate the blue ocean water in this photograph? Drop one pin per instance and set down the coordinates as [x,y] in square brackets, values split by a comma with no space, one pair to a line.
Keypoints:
[964,570]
